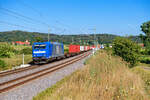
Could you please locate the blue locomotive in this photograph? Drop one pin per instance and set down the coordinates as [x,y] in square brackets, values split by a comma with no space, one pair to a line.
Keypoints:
[43,52]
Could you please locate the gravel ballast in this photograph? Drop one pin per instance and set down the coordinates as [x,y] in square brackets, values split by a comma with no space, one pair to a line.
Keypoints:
[28,90]
[24,73]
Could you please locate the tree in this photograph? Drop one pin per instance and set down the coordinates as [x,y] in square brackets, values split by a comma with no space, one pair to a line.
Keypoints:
[38,39]
[145,27]
[126,49]
[6,50]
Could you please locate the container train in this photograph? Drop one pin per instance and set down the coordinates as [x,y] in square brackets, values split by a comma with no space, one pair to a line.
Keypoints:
[43,52]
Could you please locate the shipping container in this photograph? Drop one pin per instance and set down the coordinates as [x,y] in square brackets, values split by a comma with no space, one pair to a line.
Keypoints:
[88,47]
[74,48]
[81,48]
[85,48]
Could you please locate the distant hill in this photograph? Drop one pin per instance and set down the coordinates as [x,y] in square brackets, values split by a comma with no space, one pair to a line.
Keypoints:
[10,36]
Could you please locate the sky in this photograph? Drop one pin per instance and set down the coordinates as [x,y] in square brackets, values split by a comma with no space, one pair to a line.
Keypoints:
[120,17]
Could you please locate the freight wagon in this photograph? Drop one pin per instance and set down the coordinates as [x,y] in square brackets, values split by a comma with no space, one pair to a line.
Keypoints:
[81,48]
[74,49]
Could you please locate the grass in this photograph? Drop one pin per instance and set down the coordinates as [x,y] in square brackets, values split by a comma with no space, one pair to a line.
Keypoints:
[145,75]
[20,47]
[50,90]
[16,60]
[104,77]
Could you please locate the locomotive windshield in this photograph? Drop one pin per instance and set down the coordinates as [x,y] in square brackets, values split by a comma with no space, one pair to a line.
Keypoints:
[39,46]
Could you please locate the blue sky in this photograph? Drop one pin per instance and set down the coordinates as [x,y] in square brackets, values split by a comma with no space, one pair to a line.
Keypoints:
[120,17]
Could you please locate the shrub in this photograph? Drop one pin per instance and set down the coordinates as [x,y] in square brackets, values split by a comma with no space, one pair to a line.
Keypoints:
[126,49]
[6,50]
[26,51]
[143,52]
[145,60]
[2,64]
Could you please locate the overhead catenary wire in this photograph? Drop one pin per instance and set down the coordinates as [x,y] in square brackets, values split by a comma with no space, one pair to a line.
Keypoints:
[42,16]
[38,12]
[19,18]
[27,19]
[16,25]
[23,16]
[31,8]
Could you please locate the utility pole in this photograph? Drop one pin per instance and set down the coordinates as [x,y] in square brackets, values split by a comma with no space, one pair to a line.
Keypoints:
[48,34]
[72,40]
[23,59]
[94,33]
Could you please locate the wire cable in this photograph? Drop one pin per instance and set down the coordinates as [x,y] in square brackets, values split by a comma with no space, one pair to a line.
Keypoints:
[10,24]
[25,17]
[39,13]
[19,18]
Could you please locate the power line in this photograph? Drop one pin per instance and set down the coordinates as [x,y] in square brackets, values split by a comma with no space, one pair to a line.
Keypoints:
[25,17]
[40,14]
[28,6]
[10,24]
[20,18]
[37,11]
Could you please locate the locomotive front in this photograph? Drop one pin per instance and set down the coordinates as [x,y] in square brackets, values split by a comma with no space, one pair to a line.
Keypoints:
[40,52]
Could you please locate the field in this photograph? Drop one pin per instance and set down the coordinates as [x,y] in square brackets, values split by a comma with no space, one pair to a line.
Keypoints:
[104,77]
[14,55]
[16,60]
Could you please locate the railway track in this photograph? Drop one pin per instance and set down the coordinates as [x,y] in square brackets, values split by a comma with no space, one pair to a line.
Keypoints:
[3,74]
[8,85]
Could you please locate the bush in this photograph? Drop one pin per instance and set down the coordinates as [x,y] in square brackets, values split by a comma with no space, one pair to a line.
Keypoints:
[145,59]
[2,64]
[6,50]
[126,49]
[143,52]
[26,51]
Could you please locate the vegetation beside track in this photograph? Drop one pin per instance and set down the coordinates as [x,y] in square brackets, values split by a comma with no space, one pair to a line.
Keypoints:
[15,60]
[145,75]
[11,55]
[104,77]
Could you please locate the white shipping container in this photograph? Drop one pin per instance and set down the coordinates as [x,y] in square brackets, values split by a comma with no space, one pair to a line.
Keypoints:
[86,48]
[81,48]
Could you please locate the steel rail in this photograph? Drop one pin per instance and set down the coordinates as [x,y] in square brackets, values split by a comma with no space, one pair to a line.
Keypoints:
[3,74]
[46,71]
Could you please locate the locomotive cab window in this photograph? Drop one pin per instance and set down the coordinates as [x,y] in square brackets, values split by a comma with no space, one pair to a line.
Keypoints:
[40,47]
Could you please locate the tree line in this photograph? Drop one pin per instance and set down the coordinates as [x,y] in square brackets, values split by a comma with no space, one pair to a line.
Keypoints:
[83,39]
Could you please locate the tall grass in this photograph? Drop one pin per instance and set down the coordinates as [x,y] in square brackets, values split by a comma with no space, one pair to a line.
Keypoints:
[15,61]
[104,77]
[11,55]
[145,75]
